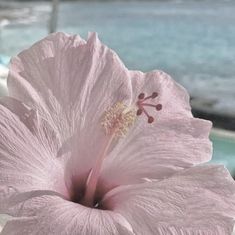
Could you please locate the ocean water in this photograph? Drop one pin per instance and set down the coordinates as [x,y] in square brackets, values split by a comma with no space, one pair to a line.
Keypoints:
[191,40]
[224,151]
[194,41]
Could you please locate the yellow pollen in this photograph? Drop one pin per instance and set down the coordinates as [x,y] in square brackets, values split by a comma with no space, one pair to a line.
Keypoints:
[118,119]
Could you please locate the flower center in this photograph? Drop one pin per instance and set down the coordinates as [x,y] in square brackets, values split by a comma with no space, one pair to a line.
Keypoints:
[116,122]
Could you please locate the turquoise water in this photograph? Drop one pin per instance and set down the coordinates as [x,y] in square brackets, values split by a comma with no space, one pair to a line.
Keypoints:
[224,152]
[191,40]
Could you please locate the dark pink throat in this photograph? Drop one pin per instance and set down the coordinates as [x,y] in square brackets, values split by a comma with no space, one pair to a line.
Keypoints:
[116,121]
[79,191]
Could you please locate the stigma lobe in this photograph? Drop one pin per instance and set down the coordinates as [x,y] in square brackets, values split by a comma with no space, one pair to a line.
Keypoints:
[141,104]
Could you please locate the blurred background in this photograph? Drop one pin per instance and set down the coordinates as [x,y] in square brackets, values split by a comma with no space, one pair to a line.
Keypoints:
[193,41]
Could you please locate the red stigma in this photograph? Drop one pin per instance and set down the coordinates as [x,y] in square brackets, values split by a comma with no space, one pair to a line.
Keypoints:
[150,119]
[141,96]
[154,95]
[141,105]
[158,107]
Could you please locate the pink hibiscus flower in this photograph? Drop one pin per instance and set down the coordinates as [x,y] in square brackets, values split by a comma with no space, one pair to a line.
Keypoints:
[88,147]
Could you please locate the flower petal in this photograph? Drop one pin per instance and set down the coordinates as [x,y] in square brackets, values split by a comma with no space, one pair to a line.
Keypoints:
[25,163]
[158,152]
[174,141]
[200,200]
[39,127]
[71,83]
[54,215]
[173,97]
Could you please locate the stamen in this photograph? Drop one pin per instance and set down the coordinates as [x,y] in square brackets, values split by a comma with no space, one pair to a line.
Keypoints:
[116,122]
[141,104]
[118,119]
[139,112]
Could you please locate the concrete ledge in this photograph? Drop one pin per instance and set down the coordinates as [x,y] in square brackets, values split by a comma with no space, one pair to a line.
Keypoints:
[205,109]
[223,133]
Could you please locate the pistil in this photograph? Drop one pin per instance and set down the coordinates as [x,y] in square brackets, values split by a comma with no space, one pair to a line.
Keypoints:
[116,122]
[92,181]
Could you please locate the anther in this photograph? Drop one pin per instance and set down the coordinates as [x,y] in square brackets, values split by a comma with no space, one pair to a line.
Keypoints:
[139,112]
[118,119]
